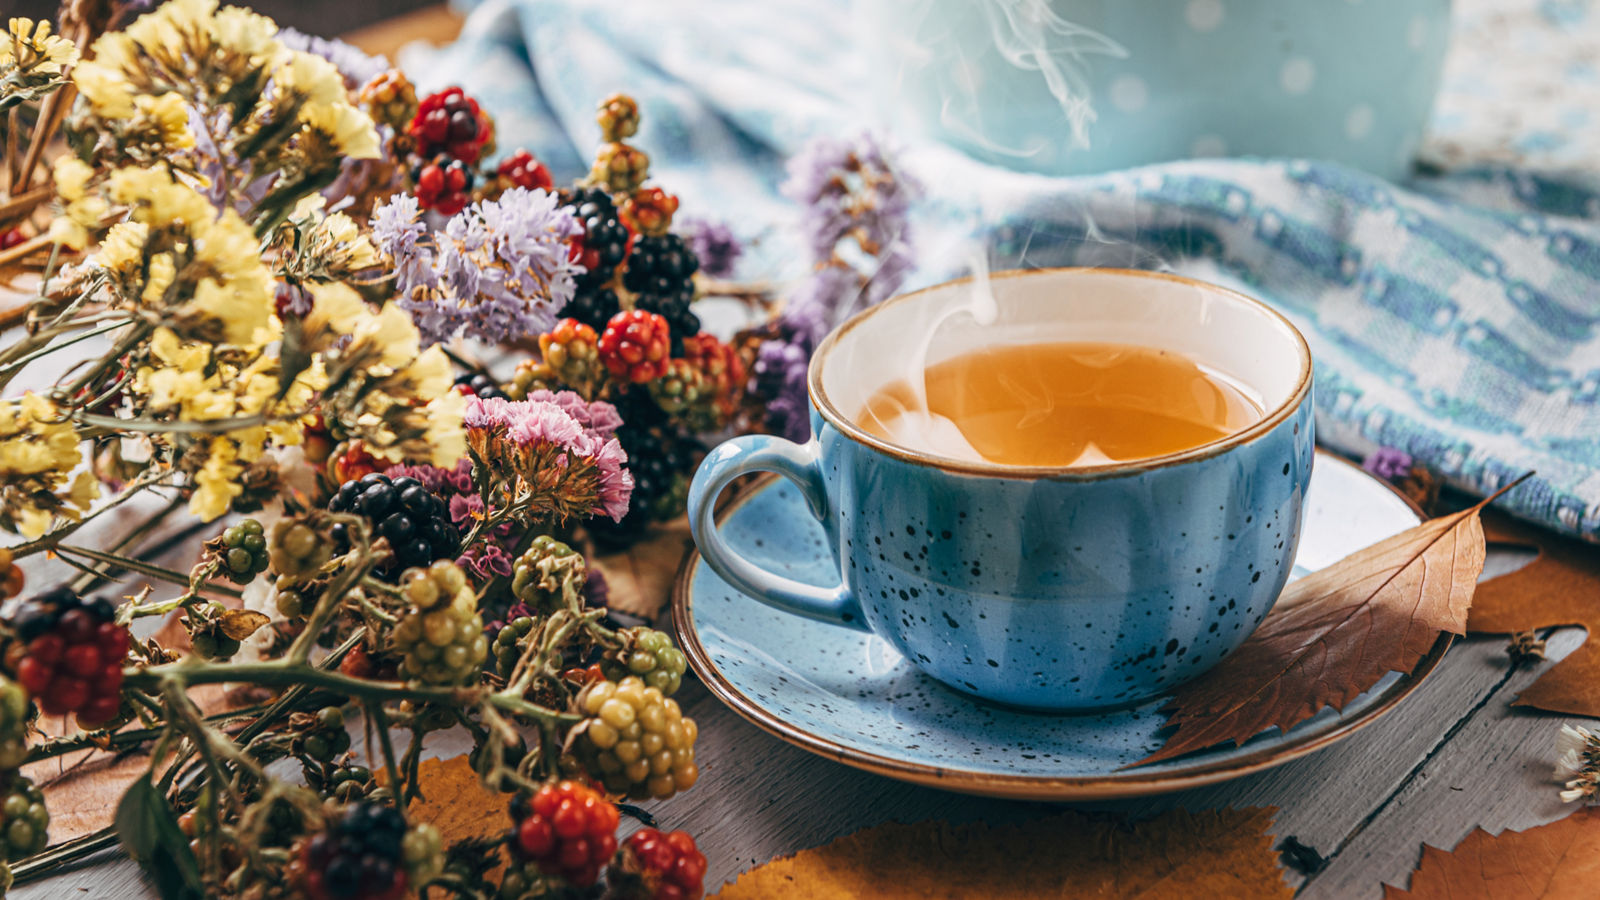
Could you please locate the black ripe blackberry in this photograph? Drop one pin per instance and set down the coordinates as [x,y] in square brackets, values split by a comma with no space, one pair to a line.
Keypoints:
[359,857]
[604,243]
[593,307]
[660,462]
[661,275]
[477,384]
[415,521]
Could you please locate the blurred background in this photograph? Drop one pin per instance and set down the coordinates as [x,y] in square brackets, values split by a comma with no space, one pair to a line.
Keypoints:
[314,16]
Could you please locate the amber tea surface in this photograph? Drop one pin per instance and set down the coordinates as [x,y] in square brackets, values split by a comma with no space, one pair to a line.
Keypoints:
[1060,405]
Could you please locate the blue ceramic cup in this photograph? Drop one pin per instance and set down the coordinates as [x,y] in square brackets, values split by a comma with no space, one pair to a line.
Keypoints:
[1053,589]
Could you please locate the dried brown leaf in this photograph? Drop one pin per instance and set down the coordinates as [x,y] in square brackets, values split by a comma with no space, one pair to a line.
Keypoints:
[1559,861]
[1561,587]
[1334,634]
[1225,853]
[639,578]
[241,623]
[82,789]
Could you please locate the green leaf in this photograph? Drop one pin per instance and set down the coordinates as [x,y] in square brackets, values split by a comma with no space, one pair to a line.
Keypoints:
[149,832]
[241,623]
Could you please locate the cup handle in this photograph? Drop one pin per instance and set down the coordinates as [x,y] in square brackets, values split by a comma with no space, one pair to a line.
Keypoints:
[800,464]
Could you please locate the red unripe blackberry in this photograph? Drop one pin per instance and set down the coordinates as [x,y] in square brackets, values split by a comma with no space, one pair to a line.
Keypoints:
[634,345]
[450,122]
[566,829]
[657,866]
[524,171]
[71,655]
[444,185]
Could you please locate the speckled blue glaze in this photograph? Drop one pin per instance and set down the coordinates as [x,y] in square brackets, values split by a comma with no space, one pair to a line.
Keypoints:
[1055,593]
[1061,593]
[855,697]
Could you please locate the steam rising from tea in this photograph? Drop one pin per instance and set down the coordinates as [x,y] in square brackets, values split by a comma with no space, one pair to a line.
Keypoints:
[1059,405]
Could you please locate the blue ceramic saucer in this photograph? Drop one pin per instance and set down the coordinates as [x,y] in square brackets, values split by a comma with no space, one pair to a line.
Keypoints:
[849,696]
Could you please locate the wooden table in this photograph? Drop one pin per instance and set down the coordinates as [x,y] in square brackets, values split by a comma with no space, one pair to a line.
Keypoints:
[1452,757]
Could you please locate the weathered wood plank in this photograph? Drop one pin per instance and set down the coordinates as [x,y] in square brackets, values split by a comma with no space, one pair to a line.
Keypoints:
[1496,771]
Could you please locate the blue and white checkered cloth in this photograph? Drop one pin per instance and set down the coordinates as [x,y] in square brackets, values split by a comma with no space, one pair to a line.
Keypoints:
[1456,318]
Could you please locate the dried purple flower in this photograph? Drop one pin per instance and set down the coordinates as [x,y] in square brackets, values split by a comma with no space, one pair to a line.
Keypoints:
[499,270]
[779,375]
[851,191]
[714,243]
[818,304]
[1388,463]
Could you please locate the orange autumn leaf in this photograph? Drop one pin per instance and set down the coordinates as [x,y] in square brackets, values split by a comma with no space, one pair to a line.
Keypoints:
[1225,853]
[1560,587]
[1559,861]
[1333,634]
[456,802]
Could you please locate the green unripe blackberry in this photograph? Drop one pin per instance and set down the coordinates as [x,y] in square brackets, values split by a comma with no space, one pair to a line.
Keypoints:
[442,641]
[636,740]
[422,853]
[348,784]
[13,724]
[508,644]
[325,736]
[243,551]
[292,604]
[649,654]
[547,573]
[24,821]
[297,550]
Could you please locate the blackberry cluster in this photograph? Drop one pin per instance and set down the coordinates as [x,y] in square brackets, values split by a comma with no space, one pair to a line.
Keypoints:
[660,462]
[24,821]
[444,184]
[507,644]
[636,740]
[543,574]
[348,784]
[71,655]
[566,829]
[604,244]
[296,551]
[635,346]
[359,858]
[442,636]
[478,384]
[649,654]
[450,123]
[244,551]
[325,736]
[415,521]
[657,866]
[422,850]
[593,306]
[522,170]
[661,275]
